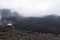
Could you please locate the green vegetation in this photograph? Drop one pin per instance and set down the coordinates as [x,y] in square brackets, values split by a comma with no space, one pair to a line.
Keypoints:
[13,34]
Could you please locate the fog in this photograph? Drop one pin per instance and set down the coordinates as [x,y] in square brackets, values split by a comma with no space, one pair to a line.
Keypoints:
[45,24]
[32,7]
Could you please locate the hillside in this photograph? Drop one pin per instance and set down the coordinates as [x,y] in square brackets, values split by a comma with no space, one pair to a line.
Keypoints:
[13,34]
[16,27]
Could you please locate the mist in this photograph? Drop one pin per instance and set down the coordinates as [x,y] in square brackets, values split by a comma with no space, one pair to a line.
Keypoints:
[36,8]
[45,24]
[31,15]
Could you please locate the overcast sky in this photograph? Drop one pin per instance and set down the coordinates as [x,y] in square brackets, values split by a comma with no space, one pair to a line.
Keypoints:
[32,7]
